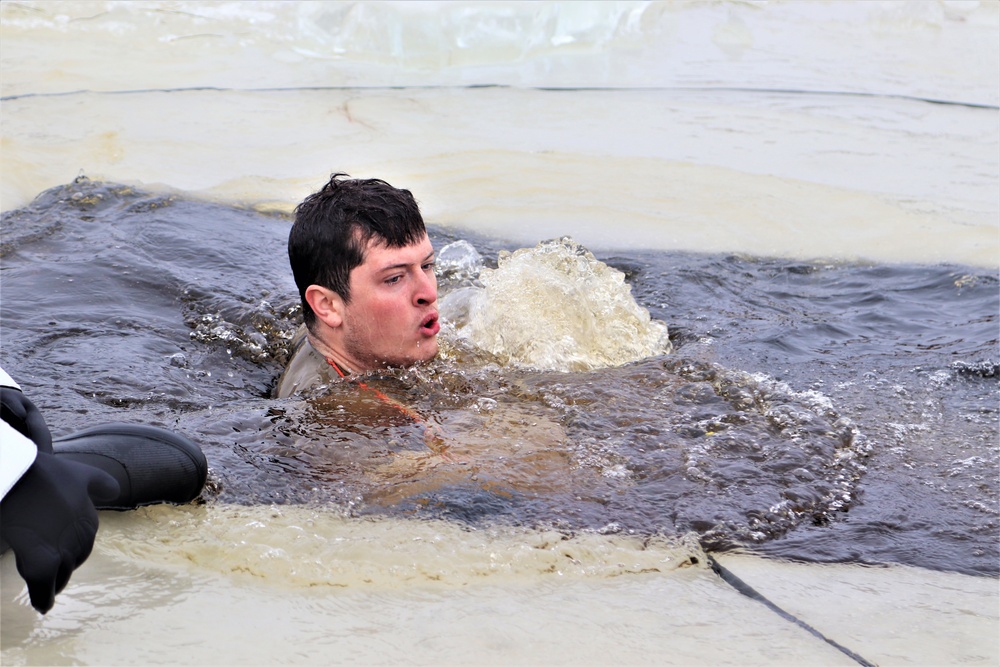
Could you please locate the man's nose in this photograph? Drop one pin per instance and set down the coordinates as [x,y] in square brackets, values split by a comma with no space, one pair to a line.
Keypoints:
[426,290]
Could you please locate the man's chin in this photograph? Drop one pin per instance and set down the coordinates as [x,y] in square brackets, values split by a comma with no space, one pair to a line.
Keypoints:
[427,350]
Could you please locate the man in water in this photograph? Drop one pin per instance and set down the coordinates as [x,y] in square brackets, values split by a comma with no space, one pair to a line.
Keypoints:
[364,268]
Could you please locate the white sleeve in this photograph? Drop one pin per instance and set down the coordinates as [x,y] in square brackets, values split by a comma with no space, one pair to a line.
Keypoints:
[17,453]
[6,380]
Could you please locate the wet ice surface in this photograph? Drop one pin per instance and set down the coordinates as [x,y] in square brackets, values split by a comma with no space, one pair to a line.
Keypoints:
[815,411]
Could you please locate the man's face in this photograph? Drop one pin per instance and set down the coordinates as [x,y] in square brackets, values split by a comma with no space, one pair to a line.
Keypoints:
[392,318]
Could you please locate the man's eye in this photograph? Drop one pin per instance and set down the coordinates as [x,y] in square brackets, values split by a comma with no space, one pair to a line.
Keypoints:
[429,266]
[393,280]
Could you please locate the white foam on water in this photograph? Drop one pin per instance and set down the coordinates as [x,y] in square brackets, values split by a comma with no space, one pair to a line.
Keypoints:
[556,307]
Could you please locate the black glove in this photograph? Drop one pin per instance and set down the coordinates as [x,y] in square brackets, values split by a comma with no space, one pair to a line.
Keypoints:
[50,522]
[48,517]
[19,412]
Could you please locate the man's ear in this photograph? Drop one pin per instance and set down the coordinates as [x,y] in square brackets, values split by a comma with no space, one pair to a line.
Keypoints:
[327,304]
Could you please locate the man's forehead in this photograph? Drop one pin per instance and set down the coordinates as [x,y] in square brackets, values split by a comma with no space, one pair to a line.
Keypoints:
[378,254]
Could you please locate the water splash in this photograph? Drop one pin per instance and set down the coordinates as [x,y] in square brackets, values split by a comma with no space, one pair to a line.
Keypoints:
[556,307]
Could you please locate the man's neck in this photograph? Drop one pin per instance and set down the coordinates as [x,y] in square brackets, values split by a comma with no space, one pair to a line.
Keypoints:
[347,365]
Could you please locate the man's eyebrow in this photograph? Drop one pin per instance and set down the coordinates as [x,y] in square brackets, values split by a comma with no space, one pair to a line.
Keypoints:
[403,265]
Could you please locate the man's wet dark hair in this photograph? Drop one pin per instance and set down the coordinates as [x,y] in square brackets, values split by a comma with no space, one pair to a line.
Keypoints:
[334,226]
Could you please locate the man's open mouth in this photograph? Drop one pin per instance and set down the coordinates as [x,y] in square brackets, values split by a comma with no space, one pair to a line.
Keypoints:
[430,326]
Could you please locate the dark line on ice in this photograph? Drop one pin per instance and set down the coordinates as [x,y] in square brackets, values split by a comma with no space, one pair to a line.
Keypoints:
[222,89]
[745,588]
[556,89]
[789,91]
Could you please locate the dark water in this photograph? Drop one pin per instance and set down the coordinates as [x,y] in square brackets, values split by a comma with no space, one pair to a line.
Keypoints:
[824,412]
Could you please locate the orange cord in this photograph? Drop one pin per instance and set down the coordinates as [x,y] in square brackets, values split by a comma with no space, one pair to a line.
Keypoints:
[382,397]
[432,438]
